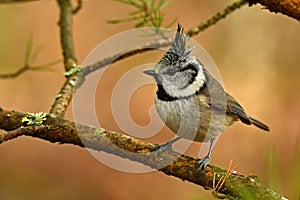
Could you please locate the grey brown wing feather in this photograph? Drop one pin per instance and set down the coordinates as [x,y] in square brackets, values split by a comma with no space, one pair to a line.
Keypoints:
[233,107]
[218,96]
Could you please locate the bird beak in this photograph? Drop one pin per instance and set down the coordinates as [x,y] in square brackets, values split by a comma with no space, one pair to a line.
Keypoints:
[150,72]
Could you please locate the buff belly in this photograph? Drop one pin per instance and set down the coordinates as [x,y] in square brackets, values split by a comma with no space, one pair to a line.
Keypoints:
[192,118]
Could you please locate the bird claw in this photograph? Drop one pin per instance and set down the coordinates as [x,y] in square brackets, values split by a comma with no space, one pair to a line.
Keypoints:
[161,148]
[203,163]
[167,146]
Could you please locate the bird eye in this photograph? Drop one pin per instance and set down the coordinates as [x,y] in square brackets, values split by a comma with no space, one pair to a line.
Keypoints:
[170,72]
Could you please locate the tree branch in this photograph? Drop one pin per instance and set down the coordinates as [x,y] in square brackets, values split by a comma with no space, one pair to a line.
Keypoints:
[28,130]
[56,129]
[15,74]
[66,33]
[122,55]
[65,95]
[290,8]
[162,43]
[216,18]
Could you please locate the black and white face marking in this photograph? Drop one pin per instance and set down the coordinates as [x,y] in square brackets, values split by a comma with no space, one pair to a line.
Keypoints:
[180,80]
[178,74]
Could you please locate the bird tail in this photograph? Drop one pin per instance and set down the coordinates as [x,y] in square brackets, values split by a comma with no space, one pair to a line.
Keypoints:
[259,124]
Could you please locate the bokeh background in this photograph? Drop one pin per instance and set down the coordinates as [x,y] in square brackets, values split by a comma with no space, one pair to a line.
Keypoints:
[257,53]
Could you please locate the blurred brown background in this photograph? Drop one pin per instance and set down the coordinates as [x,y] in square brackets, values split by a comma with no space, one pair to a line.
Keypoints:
[257,53]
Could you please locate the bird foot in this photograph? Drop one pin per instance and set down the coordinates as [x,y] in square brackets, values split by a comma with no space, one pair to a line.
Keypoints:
[162,147]
[203,163]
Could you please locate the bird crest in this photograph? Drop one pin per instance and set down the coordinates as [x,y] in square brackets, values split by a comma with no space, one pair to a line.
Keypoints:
[178,50]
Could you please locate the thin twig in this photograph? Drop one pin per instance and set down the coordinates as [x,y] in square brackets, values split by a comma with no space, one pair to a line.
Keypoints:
[216,18]
[119,56]
[78,7]
[15,74]
[26,68]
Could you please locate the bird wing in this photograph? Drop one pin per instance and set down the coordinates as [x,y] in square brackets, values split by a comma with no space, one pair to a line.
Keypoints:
[217,97]
[233,107]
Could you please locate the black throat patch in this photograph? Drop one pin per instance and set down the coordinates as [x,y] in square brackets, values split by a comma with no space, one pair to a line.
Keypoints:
[164,96]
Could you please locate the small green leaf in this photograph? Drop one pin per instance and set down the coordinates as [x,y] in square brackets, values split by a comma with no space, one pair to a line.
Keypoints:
[28,51]
[162,4]
[116,21]
[36,52]
[148,13]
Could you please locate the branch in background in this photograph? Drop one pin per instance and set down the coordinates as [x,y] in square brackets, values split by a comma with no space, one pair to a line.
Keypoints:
[15,74]
[216,18]
[192,32]
[31,54]
[162,43]
[42,67]
[120,56]
[290,8]
[56,129]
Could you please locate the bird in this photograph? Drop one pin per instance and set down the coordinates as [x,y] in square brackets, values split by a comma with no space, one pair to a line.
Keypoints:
[191,102]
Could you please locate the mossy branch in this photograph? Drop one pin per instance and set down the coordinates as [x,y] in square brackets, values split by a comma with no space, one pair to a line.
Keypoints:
[59,130]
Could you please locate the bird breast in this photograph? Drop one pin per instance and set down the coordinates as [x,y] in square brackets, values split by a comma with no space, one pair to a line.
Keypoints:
[192,118]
